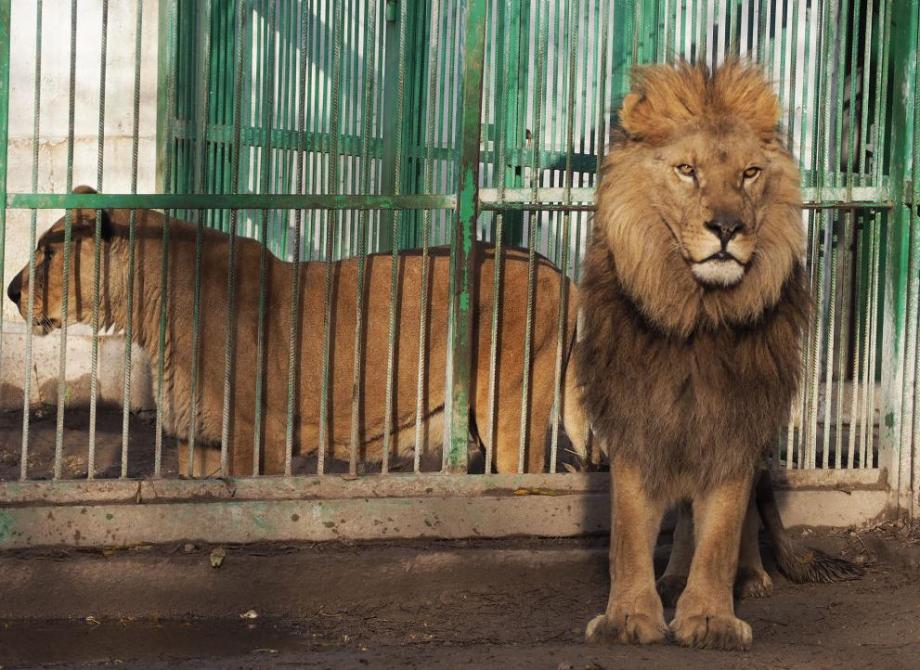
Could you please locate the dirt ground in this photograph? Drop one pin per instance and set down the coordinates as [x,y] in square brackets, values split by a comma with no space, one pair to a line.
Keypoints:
[510,604]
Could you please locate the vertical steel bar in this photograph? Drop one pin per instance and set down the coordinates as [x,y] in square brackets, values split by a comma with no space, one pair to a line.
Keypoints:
[502,67]
[897,246]
[855,423]
[912,398]
[865,97]
[5,42]
[239,60]
[370,11]
[68,232]
[132,230]
[166,125]
[539,89]
[203,43]
[268,112]
[97,248]
[325,438]
[306,16]
[845,254]
[421,404]
[464,250]
[562,321]
[913,296]
[30,302]
[879,220]
[397,124]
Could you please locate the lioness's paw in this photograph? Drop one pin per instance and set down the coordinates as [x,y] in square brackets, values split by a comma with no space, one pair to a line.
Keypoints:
[626,629]
[753,583]
[670,587]
[712,632]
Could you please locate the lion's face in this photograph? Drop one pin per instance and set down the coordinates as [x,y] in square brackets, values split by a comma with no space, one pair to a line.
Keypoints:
[699,203]
[711,184]
[48,291]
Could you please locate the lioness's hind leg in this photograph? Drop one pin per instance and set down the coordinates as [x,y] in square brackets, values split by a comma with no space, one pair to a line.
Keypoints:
[672,583]
[634,613]
[205,461]
[752,581]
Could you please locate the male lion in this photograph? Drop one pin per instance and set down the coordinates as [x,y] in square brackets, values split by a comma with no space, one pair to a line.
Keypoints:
[695,305]
[148,295]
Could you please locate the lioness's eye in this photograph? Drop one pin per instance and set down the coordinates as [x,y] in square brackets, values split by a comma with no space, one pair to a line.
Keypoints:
[751,172]
[685,170]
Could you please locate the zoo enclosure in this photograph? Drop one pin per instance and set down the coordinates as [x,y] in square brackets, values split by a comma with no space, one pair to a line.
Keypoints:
[336,128]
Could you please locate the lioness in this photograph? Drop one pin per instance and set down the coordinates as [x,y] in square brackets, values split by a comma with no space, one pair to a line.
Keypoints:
[695,303]
[148,295]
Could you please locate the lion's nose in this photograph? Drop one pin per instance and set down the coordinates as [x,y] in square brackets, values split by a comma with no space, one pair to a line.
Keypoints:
[725,227]
[14,290]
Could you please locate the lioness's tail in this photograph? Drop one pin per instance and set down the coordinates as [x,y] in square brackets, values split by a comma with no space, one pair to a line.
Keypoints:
[799,564]
[573,415]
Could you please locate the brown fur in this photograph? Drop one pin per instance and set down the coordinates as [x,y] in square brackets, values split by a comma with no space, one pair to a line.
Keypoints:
[691,351]
[309,355]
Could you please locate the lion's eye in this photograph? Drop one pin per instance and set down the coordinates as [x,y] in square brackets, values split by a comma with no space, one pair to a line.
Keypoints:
[685,170]
[752,172]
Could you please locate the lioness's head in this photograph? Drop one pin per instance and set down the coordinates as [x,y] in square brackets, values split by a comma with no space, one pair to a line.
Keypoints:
[49,272]
[699,202]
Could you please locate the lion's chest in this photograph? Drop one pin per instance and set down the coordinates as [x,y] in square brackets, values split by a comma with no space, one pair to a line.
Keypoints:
[718,387]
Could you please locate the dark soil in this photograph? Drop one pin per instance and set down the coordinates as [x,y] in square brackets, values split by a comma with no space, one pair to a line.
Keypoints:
[497,604]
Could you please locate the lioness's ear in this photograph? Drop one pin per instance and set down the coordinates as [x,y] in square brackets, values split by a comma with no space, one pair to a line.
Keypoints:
[87,216]
[87,219]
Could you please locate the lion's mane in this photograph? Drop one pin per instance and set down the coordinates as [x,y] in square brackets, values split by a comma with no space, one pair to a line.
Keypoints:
[688,382]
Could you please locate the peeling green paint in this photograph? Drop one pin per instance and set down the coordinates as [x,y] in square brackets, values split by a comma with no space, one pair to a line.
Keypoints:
[6,526]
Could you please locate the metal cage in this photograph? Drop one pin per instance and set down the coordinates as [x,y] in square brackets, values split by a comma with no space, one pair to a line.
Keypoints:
[333,129]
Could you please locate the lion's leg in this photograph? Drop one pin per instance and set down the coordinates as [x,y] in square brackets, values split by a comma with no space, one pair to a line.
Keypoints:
[674,580]
[705,612]
[752,581]
[634,612]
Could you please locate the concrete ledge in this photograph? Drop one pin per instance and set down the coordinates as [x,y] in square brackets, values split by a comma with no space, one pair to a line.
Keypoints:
[546,514]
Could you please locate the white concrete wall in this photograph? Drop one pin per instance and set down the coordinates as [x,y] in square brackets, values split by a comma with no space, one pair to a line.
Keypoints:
[52,169]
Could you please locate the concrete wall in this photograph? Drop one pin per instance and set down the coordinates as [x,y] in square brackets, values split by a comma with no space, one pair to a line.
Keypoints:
[52,170]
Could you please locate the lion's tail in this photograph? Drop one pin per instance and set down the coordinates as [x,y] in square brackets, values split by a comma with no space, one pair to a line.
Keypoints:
[799,564]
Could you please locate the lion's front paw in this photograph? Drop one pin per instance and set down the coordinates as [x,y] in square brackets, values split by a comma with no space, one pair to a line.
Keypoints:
[670,587]
[712,632]
[753,583]
[626,629]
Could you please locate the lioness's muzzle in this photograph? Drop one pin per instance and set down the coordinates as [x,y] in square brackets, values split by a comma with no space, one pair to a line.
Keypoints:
[14,290]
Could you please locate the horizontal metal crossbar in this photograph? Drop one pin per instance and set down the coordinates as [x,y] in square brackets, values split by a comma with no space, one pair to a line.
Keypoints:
[548,199]
[227,201]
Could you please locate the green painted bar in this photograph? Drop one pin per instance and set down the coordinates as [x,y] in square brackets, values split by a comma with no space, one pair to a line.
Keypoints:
[461,313]
[897,245]
[5,36]
[228,201]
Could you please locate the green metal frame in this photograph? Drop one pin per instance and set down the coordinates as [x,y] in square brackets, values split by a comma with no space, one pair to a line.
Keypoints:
[503,101]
